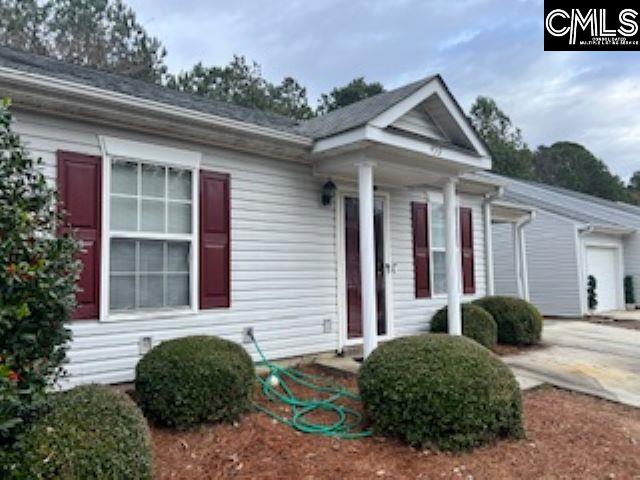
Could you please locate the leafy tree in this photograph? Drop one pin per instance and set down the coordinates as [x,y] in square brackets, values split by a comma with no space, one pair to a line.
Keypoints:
[572,166]
[356,90]
[511,156]
[22,25]
[634,186]
[242,83]
[100,33]
[38,273]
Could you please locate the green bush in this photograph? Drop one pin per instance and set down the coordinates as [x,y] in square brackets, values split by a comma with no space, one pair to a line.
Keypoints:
[38,273]
[91,431]
[441,390]
[519,322]
[192,380]
[477,324]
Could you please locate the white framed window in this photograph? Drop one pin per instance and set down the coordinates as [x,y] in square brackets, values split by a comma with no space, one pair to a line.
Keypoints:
[150,237]
[438,249]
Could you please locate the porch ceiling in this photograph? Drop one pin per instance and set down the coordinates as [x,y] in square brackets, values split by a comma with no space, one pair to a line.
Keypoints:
[507,212]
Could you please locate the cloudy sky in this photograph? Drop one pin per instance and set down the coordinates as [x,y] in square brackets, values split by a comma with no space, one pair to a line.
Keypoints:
[480,47]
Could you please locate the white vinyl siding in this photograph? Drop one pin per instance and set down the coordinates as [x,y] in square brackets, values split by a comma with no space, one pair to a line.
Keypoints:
[505,279]
[283,259]
[552,262]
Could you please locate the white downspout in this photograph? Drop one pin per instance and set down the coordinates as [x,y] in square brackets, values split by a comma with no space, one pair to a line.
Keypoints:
[520,251]
[488,236]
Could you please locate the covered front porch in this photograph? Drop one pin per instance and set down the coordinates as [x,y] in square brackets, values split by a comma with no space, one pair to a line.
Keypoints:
[420,149]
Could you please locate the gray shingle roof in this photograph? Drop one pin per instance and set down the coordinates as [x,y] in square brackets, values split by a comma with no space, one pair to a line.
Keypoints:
[41,65]
[634,209]
[550,206]
[576,206]
[359,113]
[340,120]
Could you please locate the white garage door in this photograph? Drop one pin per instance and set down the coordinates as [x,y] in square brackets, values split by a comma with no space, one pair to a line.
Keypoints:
[602,263]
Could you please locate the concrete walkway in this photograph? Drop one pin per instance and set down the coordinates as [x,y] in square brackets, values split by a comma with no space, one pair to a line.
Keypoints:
[600,360]
[622,315]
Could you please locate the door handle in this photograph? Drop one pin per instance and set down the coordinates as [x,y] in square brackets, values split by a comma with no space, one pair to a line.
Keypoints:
[391,267]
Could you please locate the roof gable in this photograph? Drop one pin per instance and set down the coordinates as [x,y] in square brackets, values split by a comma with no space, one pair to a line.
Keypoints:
[424,109]
[420,122]
[359,113]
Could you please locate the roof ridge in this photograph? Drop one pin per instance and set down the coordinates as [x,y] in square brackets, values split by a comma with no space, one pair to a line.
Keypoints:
[361,112]
[377,96]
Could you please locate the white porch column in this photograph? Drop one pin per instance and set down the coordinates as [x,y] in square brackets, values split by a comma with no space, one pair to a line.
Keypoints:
[367,258]
[452,258]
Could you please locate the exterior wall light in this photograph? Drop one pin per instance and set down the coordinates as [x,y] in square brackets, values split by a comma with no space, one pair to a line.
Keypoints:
[328,192]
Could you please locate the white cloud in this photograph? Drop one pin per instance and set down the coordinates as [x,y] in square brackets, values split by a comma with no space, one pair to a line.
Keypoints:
[481,47]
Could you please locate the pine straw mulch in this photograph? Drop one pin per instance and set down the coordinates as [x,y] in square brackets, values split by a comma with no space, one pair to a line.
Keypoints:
[506,350]
[621,323]
[569,435]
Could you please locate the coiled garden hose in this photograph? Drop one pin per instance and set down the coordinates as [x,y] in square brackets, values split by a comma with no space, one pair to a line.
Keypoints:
[275,388]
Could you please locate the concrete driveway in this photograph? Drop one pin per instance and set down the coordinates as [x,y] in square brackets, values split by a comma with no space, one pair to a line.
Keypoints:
[600,360]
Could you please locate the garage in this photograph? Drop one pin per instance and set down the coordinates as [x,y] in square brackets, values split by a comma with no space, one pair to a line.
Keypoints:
[603,264]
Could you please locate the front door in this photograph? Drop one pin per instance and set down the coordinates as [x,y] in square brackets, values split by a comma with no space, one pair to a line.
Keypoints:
[602,264]
[352,237]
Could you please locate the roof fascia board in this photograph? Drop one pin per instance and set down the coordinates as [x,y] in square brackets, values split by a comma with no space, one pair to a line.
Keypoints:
[435,86]
[379,135]
[23,80]
[341,140]
[603,229]
[370,134]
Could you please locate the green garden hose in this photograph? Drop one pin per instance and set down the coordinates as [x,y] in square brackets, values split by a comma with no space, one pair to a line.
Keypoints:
[348,424]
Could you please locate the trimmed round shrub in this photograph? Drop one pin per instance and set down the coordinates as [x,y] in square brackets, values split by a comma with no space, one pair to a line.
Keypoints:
[193,380]
[519,322]
[477,324]
[93,431]
[440,390]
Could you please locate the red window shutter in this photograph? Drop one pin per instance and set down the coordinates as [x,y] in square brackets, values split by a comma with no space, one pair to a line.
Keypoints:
[215,245]
[422,274]
[466,249]
[80,190]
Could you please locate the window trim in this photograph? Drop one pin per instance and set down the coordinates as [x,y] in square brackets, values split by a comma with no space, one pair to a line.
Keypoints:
[459,205]
[434,293]
[146,153]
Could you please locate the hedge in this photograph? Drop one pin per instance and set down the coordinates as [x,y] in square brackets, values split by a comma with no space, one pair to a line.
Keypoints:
[519,322]
[92,431]
[193,380]
[440,390]
[477,324]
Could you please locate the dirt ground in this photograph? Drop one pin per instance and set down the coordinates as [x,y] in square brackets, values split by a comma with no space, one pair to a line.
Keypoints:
[569,436]
[504,350]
